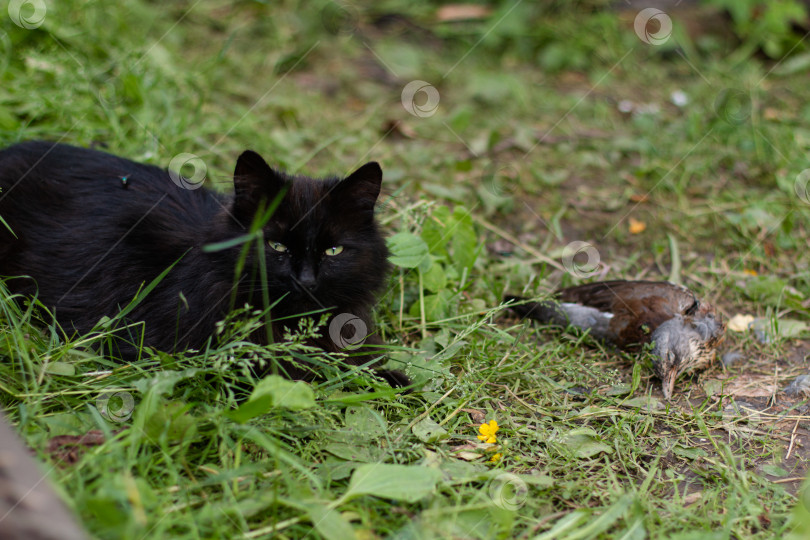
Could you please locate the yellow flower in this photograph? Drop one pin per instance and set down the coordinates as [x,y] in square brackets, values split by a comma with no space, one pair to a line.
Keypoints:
[496,457]
[488,432]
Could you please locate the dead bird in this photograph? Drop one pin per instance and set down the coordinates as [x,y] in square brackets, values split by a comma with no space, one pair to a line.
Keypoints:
[684,331]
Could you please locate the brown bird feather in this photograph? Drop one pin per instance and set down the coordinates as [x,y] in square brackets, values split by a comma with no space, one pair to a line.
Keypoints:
[684,331]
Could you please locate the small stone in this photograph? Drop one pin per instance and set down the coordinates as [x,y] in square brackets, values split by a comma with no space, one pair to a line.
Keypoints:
[679,98]
[626,106]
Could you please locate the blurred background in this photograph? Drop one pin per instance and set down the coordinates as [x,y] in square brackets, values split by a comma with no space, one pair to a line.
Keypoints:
[558,121]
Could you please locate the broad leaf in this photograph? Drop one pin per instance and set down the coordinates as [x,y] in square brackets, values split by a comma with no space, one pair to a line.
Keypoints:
[330,523]
[272,392]
[463,239]
[583,443]
[429,431]
[407,250]
[407,483]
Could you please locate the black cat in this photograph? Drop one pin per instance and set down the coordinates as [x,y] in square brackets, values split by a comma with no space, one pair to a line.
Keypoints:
[90,229]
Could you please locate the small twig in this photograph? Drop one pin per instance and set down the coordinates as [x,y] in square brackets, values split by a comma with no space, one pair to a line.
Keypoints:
[786,480]
[792,440]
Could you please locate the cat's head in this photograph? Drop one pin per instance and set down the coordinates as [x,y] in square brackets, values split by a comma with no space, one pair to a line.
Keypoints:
[323,247]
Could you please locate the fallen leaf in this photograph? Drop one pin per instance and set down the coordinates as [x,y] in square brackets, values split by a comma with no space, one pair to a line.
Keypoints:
[639,198]
[478,417]
[462,12]
[751,386]
[740,322]
[692,498]
[467,456]
[637,226]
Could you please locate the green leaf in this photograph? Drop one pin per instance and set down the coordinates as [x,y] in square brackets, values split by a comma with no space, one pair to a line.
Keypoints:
[406,483]
[791,328]
[428,431]
[153,388]
[771,329]
[772,291]
[273,392]
[436,306]
[689,452]
[774,470]
[434,279]
[464,241]
[634,532]
[647,403]
[583,443]
[605,521]
[61,368]
[172,420]
[434,231]
[365,422]
[457,471]
[407,250]
[163,382]
[336,469]
[619,390]
[564,524]
[330,523]
[353,451]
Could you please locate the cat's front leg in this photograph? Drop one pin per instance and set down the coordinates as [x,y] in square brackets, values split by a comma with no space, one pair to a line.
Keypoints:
[370,349]
[351,336]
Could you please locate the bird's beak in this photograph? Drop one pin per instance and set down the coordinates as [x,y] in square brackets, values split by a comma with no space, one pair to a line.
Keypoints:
[668,383]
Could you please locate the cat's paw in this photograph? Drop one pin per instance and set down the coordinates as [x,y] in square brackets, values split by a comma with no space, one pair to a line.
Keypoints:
[395,378]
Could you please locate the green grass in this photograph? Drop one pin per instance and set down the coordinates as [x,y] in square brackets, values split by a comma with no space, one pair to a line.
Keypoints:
[527,152]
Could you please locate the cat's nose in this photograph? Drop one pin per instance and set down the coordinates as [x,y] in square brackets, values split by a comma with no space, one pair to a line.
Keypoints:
[306,278]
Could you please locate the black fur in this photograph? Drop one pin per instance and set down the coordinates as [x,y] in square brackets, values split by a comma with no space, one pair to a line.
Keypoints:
[92,228]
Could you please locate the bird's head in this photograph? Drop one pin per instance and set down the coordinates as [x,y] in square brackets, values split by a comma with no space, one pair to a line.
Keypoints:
[686,343]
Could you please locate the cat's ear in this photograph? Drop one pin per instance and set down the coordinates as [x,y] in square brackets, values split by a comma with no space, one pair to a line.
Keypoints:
[362,187]
[253,180]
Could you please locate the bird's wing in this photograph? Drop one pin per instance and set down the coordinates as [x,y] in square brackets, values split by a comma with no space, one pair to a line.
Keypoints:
[638,307]
[605,295]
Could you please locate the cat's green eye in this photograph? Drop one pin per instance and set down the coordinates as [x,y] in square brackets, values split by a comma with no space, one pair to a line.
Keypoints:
[332,251]
[281,248]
